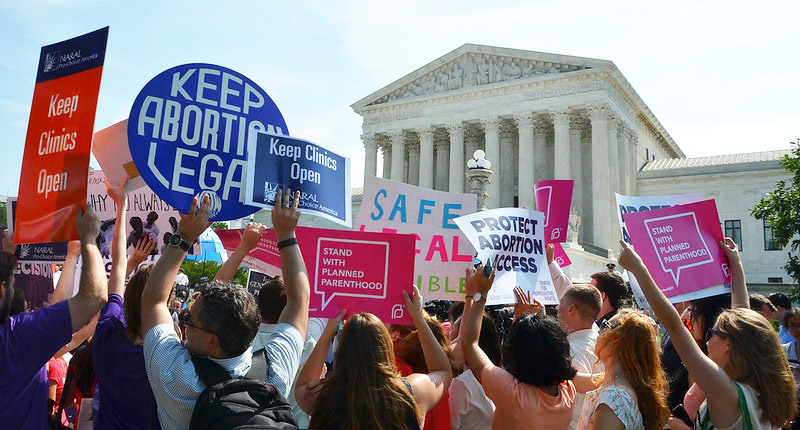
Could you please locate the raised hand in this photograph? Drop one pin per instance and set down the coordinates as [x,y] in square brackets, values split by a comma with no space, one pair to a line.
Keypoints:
[144,247]
[476,281]
[550,251]
[87,224]
[524,306]
[414,304]
[8,242]
[117,193]
[731,250]
[193,224]
[251,236]
[285,215]
[629,259]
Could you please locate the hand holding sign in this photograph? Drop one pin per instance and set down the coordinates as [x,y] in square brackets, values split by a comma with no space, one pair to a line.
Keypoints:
[284,215]
[117,193]
[194,223]
[731,251]
[8,243]
[87,224]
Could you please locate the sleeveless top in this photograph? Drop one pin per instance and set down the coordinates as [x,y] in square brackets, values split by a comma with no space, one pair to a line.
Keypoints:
[752,411]
[619,401]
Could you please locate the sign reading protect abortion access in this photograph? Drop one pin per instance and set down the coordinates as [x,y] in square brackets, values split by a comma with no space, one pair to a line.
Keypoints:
[553,199]
[680,246]
[513,238]
[59,139]
[321,176]
[442,252]
[188,131]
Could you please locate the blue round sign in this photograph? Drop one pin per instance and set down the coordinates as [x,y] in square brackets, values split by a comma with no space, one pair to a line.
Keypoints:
[188,133]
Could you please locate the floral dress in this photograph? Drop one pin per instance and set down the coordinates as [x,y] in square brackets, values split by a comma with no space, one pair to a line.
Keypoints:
[620,402]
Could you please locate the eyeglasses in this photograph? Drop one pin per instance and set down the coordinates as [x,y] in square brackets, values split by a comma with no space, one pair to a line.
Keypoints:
[711,332]
[186,319]
[606,324]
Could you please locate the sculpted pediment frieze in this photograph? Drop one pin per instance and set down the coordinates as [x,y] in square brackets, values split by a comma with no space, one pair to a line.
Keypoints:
[473,70]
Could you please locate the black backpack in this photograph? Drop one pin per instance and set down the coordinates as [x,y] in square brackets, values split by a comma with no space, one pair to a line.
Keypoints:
[248,403]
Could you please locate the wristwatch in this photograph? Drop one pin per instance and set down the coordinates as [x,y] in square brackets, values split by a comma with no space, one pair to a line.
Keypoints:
[477,297]
[177,241]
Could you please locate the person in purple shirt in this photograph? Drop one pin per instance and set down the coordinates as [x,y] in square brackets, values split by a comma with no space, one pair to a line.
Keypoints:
[28,340]
[125,398]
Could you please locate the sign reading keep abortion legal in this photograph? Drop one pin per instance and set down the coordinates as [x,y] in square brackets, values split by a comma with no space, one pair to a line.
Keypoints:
[188,131]
[322,176]
[513,239]
[680,246]
[553,199]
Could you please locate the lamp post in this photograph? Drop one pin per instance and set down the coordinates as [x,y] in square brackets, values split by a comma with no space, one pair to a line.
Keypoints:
[478,178]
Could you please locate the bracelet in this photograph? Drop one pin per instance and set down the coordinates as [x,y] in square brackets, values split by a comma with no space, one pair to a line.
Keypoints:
[288,242]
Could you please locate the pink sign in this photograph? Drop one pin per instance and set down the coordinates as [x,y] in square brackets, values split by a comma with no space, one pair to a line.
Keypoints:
[554,198]
[353,270]
[680,246]
[560,256]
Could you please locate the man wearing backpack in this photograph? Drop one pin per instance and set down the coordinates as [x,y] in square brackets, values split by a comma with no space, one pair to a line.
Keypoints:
[220,324]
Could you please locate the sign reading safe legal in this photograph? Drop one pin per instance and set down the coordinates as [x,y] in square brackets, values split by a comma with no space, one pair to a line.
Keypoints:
[59,139]
[513,239]
[188,131]
[680,246]
[321,176]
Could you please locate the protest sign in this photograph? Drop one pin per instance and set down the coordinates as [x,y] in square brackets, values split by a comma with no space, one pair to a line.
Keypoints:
[352,270]
[553,199]
[321,176]
[442,252]
[110,148]
[59,139]
[36,279]
[560,256]
[265,258]
[188,131]
[256,280]
[680,246]
[634,204]
[513,238]
[54,252]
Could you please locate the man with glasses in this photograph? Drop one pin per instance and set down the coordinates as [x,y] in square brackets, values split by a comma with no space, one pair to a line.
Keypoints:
[222,321]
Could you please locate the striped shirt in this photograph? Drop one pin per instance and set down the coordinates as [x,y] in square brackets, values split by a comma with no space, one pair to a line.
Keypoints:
[176,385]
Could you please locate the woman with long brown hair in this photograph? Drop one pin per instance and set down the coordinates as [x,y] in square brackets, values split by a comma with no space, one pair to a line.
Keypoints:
[635,388]
[365,391]
[746,376]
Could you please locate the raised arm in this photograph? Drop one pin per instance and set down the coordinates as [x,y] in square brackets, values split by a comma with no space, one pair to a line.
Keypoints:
[739,296]
[560,279]
[159,284]
[143,248]
[66,281]
[93,292]
[308,382]
[428,388]
[722,397]
[472,318]
[250,237]
[295,277]
[116,280]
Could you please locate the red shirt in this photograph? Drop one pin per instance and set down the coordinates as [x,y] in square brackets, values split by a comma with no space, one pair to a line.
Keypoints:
[437,418]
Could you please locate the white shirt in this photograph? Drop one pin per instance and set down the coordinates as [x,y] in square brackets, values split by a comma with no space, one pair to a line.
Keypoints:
[581,345]
[560,280]
[469,407]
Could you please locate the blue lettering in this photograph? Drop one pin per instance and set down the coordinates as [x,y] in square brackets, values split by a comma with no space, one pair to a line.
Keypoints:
[399,206]
[423,210]
[378,205]
[447,216]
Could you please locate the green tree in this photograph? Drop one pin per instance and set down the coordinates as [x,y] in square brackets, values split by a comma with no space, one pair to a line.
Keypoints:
[196,270]
[241,276]
[780,209]
[219,225]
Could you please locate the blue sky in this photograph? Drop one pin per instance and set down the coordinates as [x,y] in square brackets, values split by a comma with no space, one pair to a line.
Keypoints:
[721,76]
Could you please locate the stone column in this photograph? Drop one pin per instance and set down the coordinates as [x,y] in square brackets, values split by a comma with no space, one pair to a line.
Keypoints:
[473,140]
[561,148]
[624,167]
[442,145]
[398,152]
[575,163]
[526,162]
[540,149]
[613,177]
[601,200]
[371,156]
[586,232]
[633,139]
[505,165]
[413,163]
[456,172]
[491,127]
[425,157]
[387,160]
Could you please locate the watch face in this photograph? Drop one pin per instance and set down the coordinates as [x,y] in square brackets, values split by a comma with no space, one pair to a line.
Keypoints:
[175,240]
[477,297]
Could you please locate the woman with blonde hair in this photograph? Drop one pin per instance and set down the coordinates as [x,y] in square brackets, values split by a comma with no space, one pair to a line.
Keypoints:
[634,392]
[365,391]
[746,376]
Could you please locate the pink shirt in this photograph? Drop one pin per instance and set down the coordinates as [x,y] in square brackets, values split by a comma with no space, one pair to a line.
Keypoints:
[524,406]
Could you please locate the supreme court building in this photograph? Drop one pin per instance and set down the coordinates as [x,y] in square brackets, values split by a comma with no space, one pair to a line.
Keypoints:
[546,116]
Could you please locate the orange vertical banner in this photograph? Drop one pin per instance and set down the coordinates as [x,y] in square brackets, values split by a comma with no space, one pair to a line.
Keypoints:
[55,165]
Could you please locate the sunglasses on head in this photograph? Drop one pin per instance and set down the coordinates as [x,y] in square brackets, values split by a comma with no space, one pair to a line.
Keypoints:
[712,331]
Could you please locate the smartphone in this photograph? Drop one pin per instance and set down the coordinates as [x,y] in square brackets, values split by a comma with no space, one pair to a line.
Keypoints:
[488,269]
[680,413]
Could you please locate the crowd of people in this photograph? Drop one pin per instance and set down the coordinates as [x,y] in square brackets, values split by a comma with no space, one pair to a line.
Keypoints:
[131,351]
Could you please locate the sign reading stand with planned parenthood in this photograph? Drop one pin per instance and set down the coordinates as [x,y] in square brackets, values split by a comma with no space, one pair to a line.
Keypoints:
[321,176]
[188,131]
[513,238]
[680,246]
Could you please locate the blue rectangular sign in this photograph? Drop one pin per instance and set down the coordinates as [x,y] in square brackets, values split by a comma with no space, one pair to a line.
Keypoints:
[323,177]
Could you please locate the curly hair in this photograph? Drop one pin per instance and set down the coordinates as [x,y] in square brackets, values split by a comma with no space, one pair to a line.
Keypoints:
[537,351]
[231,313]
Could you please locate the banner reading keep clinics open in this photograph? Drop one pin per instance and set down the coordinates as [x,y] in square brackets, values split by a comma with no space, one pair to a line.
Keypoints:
[59,139]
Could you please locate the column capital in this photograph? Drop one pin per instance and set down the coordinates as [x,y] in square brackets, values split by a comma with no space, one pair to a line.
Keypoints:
[575,121]
[507,129]
[455,128]
[631,135]
[524,119]
[541,127]
[396,134]
[424,132]
[441,144]
[561,114]
[369,139]
[412,147]
[492,123]
[599,112]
